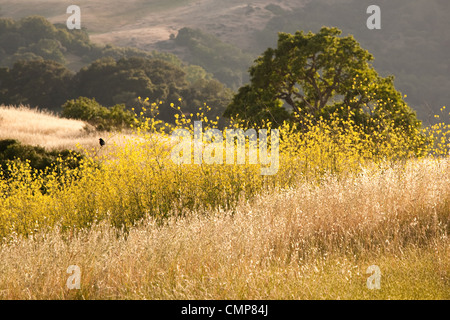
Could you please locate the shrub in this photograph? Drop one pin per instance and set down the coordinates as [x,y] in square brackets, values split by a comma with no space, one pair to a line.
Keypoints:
[35,162]
[99,116]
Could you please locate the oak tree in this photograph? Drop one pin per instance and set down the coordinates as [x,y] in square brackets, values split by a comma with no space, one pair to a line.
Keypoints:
[315,75]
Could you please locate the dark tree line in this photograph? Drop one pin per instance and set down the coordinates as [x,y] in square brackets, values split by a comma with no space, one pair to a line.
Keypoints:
[34,37]
[48,84]
[35,70]
[225,61]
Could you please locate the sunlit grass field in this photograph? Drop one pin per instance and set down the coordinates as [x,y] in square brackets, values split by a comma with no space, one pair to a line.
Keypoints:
[141,227]
[40,128]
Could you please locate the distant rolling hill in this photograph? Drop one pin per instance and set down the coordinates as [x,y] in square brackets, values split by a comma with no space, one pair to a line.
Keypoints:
[145,22]
[412,45]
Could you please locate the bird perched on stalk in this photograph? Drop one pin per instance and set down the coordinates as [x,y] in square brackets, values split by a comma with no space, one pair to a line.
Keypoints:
[102,142]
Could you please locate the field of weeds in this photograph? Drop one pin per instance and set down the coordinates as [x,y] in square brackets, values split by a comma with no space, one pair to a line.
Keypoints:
[139,226]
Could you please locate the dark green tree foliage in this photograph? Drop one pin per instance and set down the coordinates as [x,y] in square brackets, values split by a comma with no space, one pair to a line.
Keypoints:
[209,92]
[34,38]
[48,49]
[413,42]
[316,75]
[36,35]
[256,105]
[10,39]
[39,158]
[39,83]
[227,62]
[105,79]
[113,82]
[35,28]
[35,52]
[48,84]
[94,113]
[29,38]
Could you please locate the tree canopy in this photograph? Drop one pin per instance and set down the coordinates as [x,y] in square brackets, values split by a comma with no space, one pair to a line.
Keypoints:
[413,43]
[315,75]
[46,64]
[227,62]
[34,37]
[48,84]
[38,83]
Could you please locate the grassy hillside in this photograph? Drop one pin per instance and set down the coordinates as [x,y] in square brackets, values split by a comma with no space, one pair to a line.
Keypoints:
[151,21]
[37,56]
[140,227]
[41,128]
[303,243]
[411,45]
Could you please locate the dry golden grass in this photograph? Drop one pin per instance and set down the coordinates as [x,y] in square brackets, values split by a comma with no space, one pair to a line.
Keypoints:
[311,242]
[41,128]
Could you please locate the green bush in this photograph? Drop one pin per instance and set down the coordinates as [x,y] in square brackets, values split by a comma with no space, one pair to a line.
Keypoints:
[52,165]
[99,116]
[37,157]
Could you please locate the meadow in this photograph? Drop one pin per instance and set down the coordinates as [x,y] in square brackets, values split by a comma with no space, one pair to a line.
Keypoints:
[141,227]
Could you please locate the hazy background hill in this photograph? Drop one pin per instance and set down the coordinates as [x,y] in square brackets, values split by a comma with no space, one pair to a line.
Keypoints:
[224,37]
[357,188]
